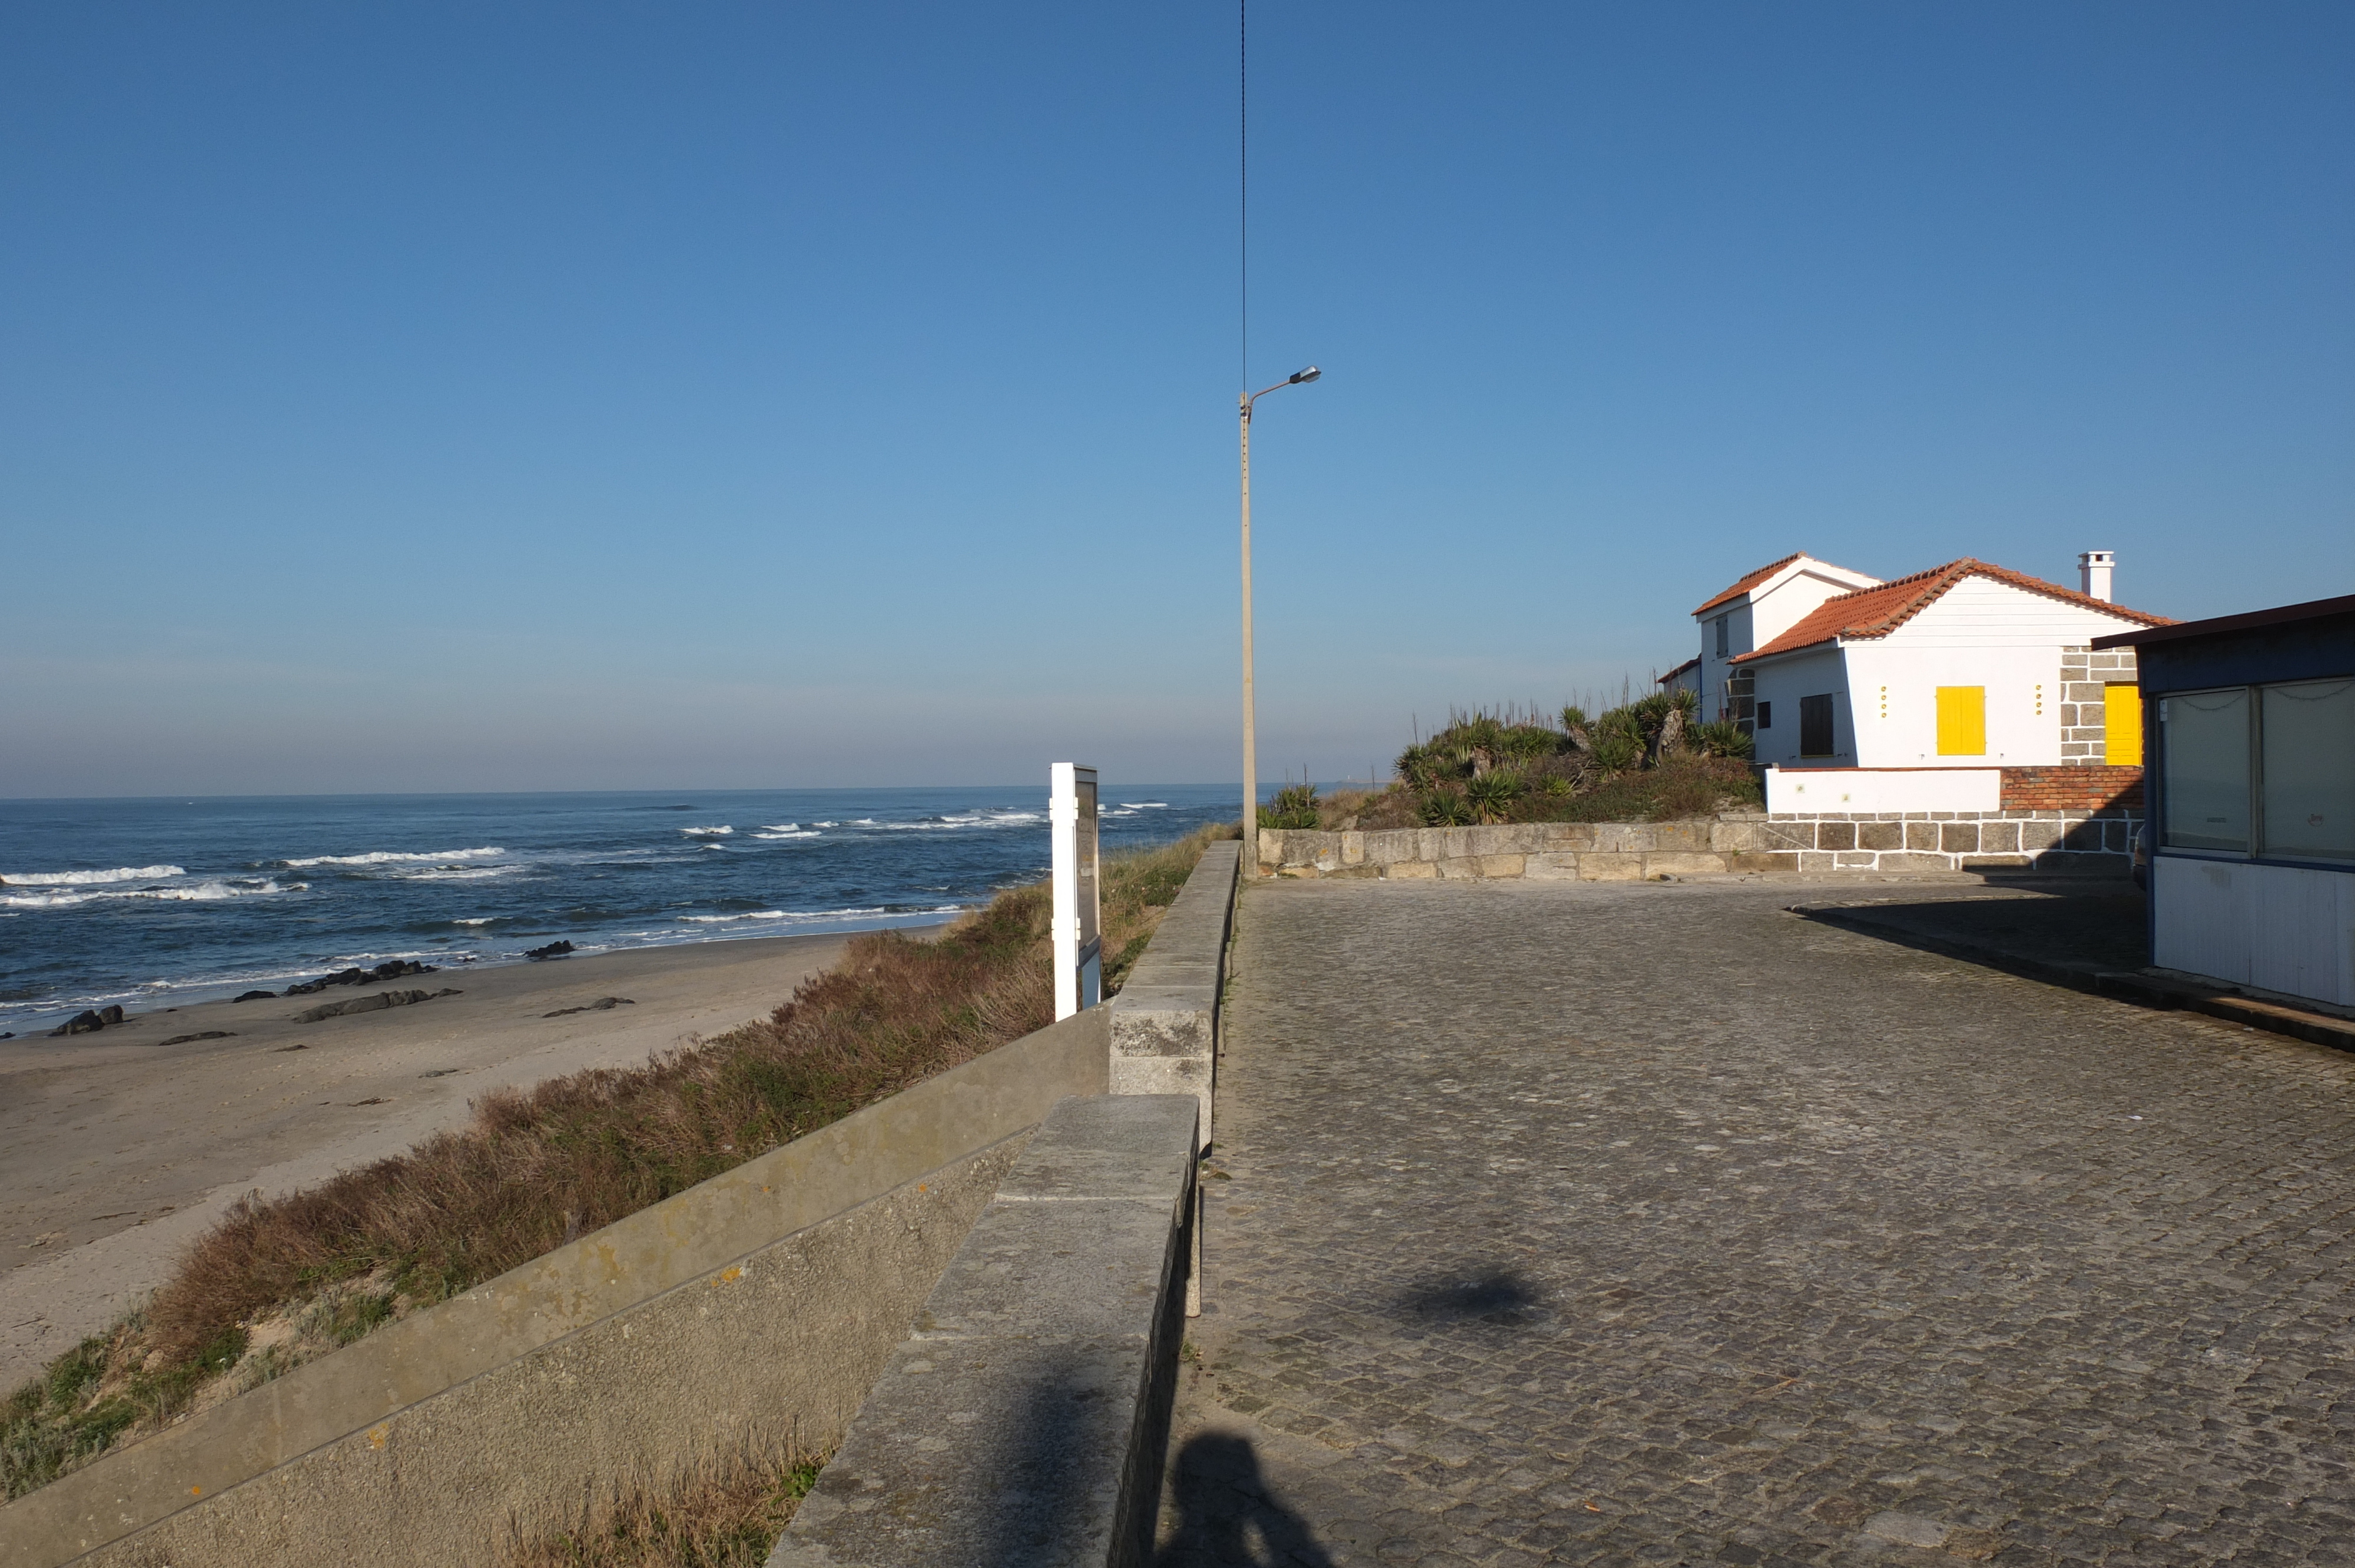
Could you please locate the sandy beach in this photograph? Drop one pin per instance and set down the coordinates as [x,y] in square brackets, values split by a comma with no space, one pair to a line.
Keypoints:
[118,1148]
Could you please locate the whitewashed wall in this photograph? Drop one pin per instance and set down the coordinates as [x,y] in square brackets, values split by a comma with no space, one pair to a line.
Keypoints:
[2281,928]
[1980,633]
[1764,614]
[1784,682]
[1834,789]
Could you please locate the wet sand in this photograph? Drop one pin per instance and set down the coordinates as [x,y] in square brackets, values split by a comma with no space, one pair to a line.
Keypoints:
[117,1149]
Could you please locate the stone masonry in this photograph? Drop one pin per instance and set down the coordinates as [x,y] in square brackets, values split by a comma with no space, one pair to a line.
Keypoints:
[2085,677]
[1733,841]
[1575,1222]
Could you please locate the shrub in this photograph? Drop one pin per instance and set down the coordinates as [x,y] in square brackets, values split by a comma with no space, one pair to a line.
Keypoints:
[1445,808]
[1491,796]
[1294,807]
[1720,737]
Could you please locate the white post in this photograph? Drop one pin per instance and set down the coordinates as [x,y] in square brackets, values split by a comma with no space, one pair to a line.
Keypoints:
[1079,905]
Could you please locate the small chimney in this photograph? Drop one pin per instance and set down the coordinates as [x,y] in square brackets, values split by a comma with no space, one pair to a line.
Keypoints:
[2093,572]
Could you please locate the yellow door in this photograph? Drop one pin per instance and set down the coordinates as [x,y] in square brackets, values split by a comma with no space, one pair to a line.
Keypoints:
[2122,725]
[1962,720]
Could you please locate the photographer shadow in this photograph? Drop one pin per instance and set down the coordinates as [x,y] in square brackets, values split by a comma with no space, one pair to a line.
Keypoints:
[1222,1503]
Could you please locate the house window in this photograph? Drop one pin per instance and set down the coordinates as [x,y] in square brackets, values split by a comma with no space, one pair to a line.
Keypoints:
[2207,750]
[2308,765]
[1962,720]
[1765,715]
[1816,726]
[1724,639]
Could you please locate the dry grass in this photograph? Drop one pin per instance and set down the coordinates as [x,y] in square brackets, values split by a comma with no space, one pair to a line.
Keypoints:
[719,1516]
[281,1281]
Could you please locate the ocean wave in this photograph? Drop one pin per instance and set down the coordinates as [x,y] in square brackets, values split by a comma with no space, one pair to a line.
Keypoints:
[780,827]
[706,832]
[460,873]
[724,919]
[801,833]
[485,920]
[392,857]
[1146,805]
[90,878]
[202,892]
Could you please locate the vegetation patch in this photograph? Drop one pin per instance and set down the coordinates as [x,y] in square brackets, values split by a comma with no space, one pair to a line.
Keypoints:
[717,1516]
[1644,762]
[282,1282]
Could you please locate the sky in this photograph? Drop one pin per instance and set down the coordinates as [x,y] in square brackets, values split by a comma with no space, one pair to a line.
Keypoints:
[505,397]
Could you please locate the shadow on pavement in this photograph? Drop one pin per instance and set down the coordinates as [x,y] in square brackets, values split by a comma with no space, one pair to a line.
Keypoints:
[1497,1296]
[1223,1502]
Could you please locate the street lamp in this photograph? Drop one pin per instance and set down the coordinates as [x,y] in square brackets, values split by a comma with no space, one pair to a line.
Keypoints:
[1250,736]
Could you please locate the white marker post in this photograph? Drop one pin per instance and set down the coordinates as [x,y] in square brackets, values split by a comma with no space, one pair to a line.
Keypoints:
[1079,907]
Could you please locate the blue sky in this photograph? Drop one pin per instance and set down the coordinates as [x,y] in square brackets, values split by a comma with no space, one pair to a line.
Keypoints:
[437,397]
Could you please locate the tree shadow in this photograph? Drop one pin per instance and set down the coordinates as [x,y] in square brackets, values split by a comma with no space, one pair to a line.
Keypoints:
[1224,1505]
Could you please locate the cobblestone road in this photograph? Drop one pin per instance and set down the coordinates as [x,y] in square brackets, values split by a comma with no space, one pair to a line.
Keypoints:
[1643,1223]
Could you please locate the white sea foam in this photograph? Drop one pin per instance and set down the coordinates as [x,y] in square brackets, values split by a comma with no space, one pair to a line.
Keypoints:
[394,857]
[706,832]
[484,921]
[201,893]
[460,873]
[803,833]
[1146,805]
[780,827]
[91,878]
[724,919]
[862,821]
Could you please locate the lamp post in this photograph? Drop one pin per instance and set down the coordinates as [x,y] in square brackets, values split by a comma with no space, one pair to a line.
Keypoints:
[1251,734]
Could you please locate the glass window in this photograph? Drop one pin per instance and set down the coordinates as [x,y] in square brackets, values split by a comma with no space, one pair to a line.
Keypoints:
[2207,743]
[1765,715]
[2309,769]
[1723,641]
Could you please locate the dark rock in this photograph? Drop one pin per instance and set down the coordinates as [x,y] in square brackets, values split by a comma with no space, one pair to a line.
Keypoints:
[110,1015]
[207,1035]
[392,968]
[372,1003]
[553,950]
[256,996]
[602,1004]
[82,1023]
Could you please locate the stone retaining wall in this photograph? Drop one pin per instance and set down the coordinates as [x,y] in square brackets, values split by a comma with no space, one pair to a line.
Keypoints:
[1731,842]
[755,1307]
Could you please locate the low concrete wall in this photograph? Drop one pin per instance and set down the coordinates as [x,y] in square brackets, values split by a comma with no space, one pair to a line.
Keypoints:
[1728,843]
[1022,1423]
[1164,1020]
[761,1304]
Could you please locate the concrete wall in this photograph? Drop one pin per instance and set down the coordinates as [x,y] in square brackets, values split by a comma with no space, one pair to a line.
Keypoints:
[761,1304]
[1729,843]
[1876,790]
[1022,1423]
[1164,1020]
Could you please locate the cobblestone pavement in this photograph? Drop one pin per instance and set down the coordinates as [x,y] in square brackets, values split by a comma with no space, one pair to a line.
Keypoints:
[1649,1223]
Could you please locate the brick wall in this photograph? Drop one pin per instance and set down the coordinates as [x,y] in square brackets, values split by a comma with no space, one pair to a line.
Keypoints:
[2075,788]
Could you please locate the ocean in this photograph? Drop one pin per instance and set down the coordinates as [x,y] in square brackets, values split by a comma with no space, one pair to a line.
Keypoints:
[149,903]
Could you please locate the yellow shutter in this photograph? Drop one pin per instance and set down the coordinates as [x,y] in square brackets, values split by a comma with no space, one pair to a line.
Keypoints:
[2122,725]
[1962,720]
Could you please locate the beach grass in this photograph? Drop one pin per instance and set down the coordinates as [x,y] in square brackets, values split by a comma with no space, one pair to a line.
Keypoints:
[718,1515]
[284,1281]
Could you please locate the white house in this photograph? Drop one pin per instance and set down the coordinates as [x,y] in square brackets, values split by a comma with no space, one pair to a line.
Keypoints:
[1754,611]
[1966,665]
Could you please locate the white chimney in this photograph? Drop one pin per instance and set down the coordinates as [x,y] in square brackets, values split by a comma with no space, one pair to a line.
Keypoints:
[2093,572]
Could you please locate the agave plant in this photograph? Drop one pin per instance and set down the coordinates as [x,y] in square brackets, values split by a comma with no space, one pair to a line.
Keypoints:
[1557,787]
[1491,796]
[1418,766]
[1445,808]
[1719,737]
[1294,806]
[1616,750]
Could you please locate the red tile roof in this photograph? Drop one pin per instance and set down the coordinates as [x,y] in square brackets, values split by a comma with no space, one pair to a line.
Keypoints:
[1878,611]
[1750,581]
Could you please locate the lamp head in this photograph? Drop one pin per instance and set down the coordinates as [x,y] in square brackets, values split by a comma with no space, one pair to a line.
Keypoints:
[1311,373]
